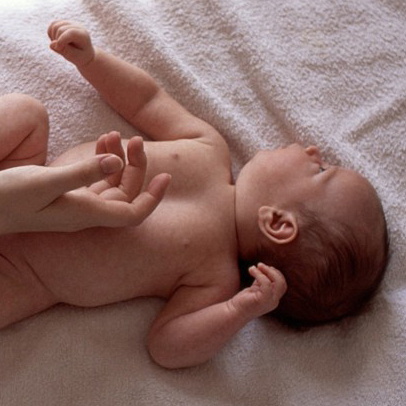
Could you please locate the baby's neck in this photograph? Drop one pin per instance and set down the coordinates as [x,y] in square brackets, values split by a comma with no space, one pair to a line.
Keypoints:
[246,228]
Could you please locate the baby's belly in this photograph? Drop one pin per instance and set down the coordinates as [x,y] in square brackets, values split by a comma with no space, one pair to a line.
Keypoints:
[100,266]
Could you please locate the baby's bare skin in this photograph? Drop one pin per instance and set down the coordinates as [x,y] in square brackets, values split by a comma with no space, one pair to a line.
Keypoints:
[185,242]
[186,251]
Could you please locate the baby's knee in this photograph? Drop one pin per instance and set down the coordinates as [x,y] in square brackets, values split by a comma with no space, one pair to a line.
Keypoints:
[28,108]
[24,131]
[35,116]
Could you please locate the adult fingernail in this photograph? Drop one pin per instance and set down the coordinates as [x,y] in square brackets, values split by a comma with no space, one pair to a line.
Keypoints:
[111,164]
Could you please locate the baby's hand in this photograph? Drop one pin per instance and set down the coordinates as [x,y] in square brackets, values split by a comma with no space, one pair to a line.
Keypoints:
[264,294]
[72,42]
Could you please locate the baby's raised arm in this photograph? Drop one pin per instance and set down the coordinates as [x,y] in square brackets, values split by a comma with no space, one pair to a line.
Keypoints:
[131,91]
[193,327]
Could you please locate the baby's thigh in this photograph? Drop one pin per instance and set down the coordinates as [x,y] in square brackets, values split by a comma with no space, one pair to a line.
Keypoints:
[23,131]
[22,294]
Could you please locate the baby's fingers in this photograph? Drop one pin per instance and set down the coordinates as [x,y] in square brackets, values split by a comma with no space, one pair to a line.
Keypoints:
[54,27]
[260,278]
[275,276]
[71,36]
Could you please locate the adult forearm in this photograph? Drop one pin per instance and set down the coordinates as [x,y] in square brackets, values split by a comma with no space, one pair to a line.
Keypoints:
[124,86]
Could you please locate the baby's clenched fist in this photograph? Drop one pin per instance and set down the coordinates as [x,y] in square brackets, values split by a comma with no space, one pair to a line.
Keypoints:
[263,295]
[72,42]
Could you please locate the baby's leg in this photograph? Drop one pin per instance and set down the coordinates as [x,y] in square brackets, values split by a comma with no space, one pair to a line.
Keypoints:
[23,131]
[22,293]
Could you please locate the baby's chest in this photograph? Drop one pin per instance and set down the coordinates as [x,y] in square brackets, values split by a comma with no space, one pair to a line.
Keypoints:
[184,237]
[194,167]
[182,232]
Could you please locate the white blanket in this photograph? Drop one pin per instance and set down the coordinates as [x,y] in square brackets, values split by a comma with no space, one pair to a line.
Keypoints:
[265,74]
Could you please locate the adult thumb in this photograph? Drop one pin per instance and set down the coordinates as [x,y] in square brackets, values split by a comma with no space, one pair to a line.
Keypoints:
[62,179]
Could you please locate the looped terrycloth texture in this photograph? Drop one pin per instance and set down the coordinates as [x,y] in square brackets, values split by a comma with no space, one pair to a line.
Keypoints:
[265,74]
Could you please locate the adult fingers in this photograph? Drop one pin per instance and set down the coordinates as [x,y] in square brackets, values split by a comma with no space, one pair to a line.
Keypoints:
[109,143]
[118,213]
[131,179]
[133,175]
[58,180]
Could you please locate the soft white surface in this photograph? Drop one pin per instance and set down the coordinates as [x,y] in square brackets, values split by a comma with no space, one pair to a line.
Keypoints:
[265,73]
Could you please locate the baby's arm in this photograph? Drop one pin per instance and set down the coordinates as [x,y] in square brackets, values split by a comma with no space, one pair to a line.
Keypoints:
[191,329]
[131,91]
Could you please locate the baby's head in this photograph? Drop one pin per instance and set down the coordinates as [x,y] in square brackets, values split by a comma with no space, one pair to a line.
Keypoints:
[322,226]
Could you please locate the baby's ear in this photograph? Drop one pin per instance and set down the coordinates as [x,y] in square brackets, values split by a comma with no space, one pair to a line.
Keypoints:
[279,226]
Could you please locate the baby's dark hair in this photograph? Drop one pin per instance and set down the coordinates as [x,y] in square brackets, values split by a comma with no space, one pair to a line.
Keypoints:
[329,271]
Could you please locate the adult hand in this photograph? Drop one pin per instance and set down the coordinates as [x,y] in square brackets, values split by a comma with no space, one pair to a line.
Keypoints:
[37,198]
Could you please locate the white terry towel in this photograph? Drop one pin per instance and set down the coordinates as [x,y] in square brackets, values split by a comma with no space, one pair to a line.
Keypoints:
[265,74]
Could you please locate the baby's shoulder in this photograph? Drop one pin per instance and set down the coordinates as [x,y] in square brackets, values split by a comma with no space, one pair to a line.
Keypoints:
[209,145]
[215,142]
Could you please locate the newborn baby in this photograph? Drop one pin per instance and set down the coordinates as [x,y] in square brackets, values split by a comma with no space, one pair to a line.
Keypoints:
[322,226]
